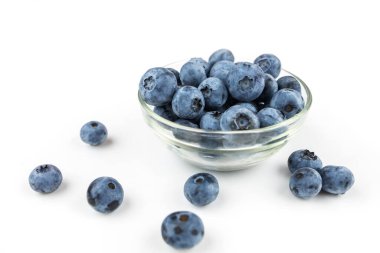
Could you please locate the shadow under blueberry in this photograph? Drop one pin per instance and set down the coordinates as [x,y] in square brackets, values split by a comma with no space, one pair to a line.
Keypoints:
[106,144]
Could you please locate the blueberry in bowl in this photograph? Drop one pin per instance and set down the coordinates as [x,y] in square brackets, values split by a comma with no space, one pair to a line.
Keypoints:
[238,129]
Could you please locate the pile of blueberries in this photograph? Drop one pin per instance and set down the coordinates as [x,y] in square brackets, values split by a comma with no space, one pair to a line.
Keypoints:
[182,229]
[214,95]
[309,177]
[221,94]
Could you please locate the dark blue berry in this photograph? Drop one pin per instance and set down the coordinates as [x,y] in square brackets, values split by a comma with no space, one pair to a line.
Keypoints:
[182,230]
[93,133]
[105,194]
[201,189]
[45,178]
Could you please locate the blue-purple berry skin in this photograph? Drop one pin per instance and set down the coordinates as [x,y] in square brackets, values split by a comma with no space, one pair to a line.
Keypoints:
[166,112]
[192,74]
[182,230]
[188,102]
[269,117]
[157,86]
[45,178]
[249,106]
[201,189]
[336,179]
[105,194]
[245,82]
[211,121]
[270,88]
[221,55]
[270,64]
[305,183]
[93,133]
[176,74]
[202,62]
[304,158]
[238,118]
[221,69]
[288,101]
[288,82]
[214,92]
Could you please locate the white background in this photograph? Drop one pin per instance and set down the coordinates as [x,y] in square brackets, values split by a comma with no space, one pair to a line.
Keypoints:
[63,63]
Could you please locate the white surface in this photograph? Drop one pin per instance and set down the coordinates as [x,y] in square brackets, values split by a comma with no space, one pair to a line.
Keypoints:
[63,63]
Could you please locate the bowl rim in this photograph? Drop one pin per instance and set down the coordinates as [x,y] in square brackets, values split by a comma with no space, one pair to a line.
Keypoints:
[284,123]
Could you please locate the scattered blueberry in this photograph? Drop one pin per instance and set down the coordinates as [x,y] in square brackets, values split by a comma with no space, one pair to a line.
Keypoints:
[93,133]
[45,178]
[176,74]
[336,179]
[221,55]
[270,64]
[105,194]
[288,101]
[211,121]
[221,69]
[288,82]
[166,112]
[304,158]
[214,92]
[157,86]
[192,74]
[245,82]
[201,189]
[182,230]
[238,117]
[188,102]
[249,106]
[305,183]
[270,88]
[269,117]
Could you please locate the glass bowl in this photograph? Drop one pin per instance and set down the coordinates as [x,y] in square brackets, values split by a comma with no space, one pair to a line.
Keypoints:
[225,150]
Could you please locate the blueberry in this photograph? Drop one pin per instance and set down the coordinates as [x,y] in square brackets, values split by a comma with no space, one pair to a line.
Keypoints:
[176,74]
[304,158]
[45,178]
[288,101]
[221,69]
[188,102]
[182,230]
[214,92]
[336,179]
[245,82]
[221,55]
[288,82]
[192,74]
[269,117]
[201,62]
[249,106]
[305,183]
[211,121]
[105,194]
[157,86]
[201,189]
[238,117]
[184,134]
[166,112]
[270,64]
[270,88]
[93,133]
